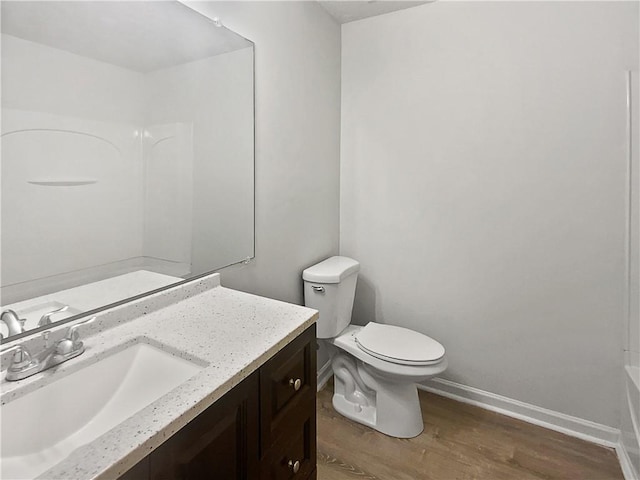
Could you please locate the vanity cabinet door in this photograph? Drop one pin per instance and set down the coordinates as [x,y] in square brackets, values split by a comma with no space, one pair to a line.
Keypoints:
[220,443]
[286,381]
[293,454]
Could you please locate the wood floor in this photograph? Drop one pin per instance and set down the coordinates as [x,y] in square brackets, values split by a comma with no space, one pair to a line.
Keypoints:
[459,441]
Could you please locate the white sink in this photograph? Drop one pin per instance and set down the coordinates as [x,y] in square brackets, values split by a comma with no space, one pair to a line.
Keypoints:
[41,428]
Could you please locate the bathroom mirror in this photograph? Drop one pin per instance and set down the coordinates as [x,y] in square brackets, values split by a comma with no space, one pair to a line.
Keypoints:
[127,154]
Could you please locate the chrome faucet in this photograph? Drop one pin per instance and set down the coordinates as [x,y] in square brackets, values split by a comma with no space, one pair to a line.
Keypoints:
[24,364]
[14,323]
[46,318]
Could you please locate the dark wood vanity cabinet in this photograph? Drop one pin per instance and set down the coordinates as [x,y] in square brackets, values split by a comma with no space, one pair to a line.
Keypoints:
[219,443]
[263,429]
[288,384]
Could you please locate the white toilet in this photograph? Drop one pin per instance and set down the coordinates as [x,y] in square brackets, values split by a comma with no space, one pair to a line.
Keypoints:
[375,367]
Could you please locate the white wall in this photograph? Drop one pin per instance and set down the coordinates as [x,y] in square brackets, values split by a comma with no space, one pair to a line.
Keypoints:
[168,193]
[215,95]
[40,78]
[67,117]
[297,70]
[483,190]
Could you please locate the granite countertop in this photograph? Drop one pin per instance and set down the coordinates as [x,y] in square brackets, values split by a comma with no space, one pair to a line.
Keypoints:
[230,332]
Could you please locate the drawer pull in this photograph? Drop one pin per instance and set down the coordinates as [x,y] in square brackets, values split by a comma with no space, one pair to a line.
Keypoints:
[296,384]
[294,466]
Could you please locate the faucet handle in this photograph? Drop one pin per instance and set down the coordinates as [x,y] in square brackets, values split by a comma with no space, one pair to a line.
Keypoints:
[71,343]
[46,318]
[72,333]
[21,358]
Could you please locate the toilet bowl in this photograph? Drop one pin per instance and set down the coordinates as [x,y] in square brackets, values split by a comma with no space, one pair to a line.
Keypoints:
[376,367]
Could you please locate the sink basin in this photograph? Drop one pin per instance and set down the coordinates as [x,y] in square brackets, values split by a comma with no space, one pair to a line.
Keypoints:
[41,428]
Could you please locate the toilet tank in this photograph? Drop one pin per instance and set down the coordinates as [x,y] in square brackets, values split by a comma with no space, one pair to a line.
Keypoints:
[330,287]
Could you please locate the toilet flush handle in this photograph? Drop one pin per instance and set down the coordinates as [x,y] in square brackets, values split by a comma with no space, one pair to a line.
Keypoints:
[317,288]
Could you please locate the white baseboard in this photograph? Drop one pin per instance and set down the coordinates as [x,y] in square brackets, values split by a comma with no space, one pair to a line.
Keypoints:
[560,422]
[625,463]
[324,374]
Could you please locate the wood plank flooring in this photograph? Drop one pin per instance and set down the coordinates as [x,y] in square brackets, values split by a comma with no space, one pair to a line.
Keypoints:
[459,442]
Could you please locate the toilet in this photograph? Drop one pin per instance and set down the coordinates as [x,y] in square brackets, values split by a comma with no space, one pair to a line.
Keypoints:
[375,367]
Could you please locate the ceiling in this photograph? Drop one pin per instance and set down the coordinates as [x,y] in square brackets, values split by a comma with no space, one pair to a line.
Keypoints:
[350,10]
[141,36]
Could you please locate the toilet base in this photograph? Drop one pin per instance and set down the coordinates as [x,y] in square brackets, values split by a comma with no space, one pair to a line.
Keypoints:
[391,407]
[403,421]
[365,415]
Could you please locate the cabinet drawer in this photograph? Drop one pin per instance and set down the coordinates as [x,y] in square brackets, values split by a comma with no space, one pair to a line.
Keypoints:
[285,380]
[293,456]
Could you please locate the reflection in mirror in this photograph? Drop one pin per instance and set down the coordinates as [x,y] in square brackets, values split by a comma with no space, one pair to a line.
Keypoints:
[127,154]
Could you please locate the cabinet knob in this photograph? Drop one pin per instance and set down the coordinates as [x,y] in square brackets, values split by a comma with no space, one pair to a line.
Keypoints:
[296,384]
[294,466]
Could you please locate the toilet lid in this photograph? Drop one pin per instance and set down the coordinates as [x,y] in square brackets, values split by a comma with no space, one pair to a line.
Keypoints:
[398,345]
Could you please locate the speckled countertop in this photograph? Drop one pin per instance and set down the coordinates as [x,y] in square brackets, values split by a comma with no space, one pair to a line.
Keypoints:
[231,332]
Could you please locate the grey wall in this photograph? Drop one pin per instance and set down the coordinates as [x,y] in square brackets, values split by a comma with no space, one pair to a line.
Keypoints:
[297,58]
[483,190]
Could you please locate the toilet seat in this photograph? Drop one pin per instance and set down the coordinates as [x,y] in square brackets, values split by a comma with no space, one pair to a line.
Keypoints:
[399,345]
[346,341]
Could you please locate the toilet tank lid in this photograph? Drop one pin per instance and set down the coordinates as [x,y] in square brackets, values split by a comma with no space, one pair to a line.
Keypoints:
[331,270]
